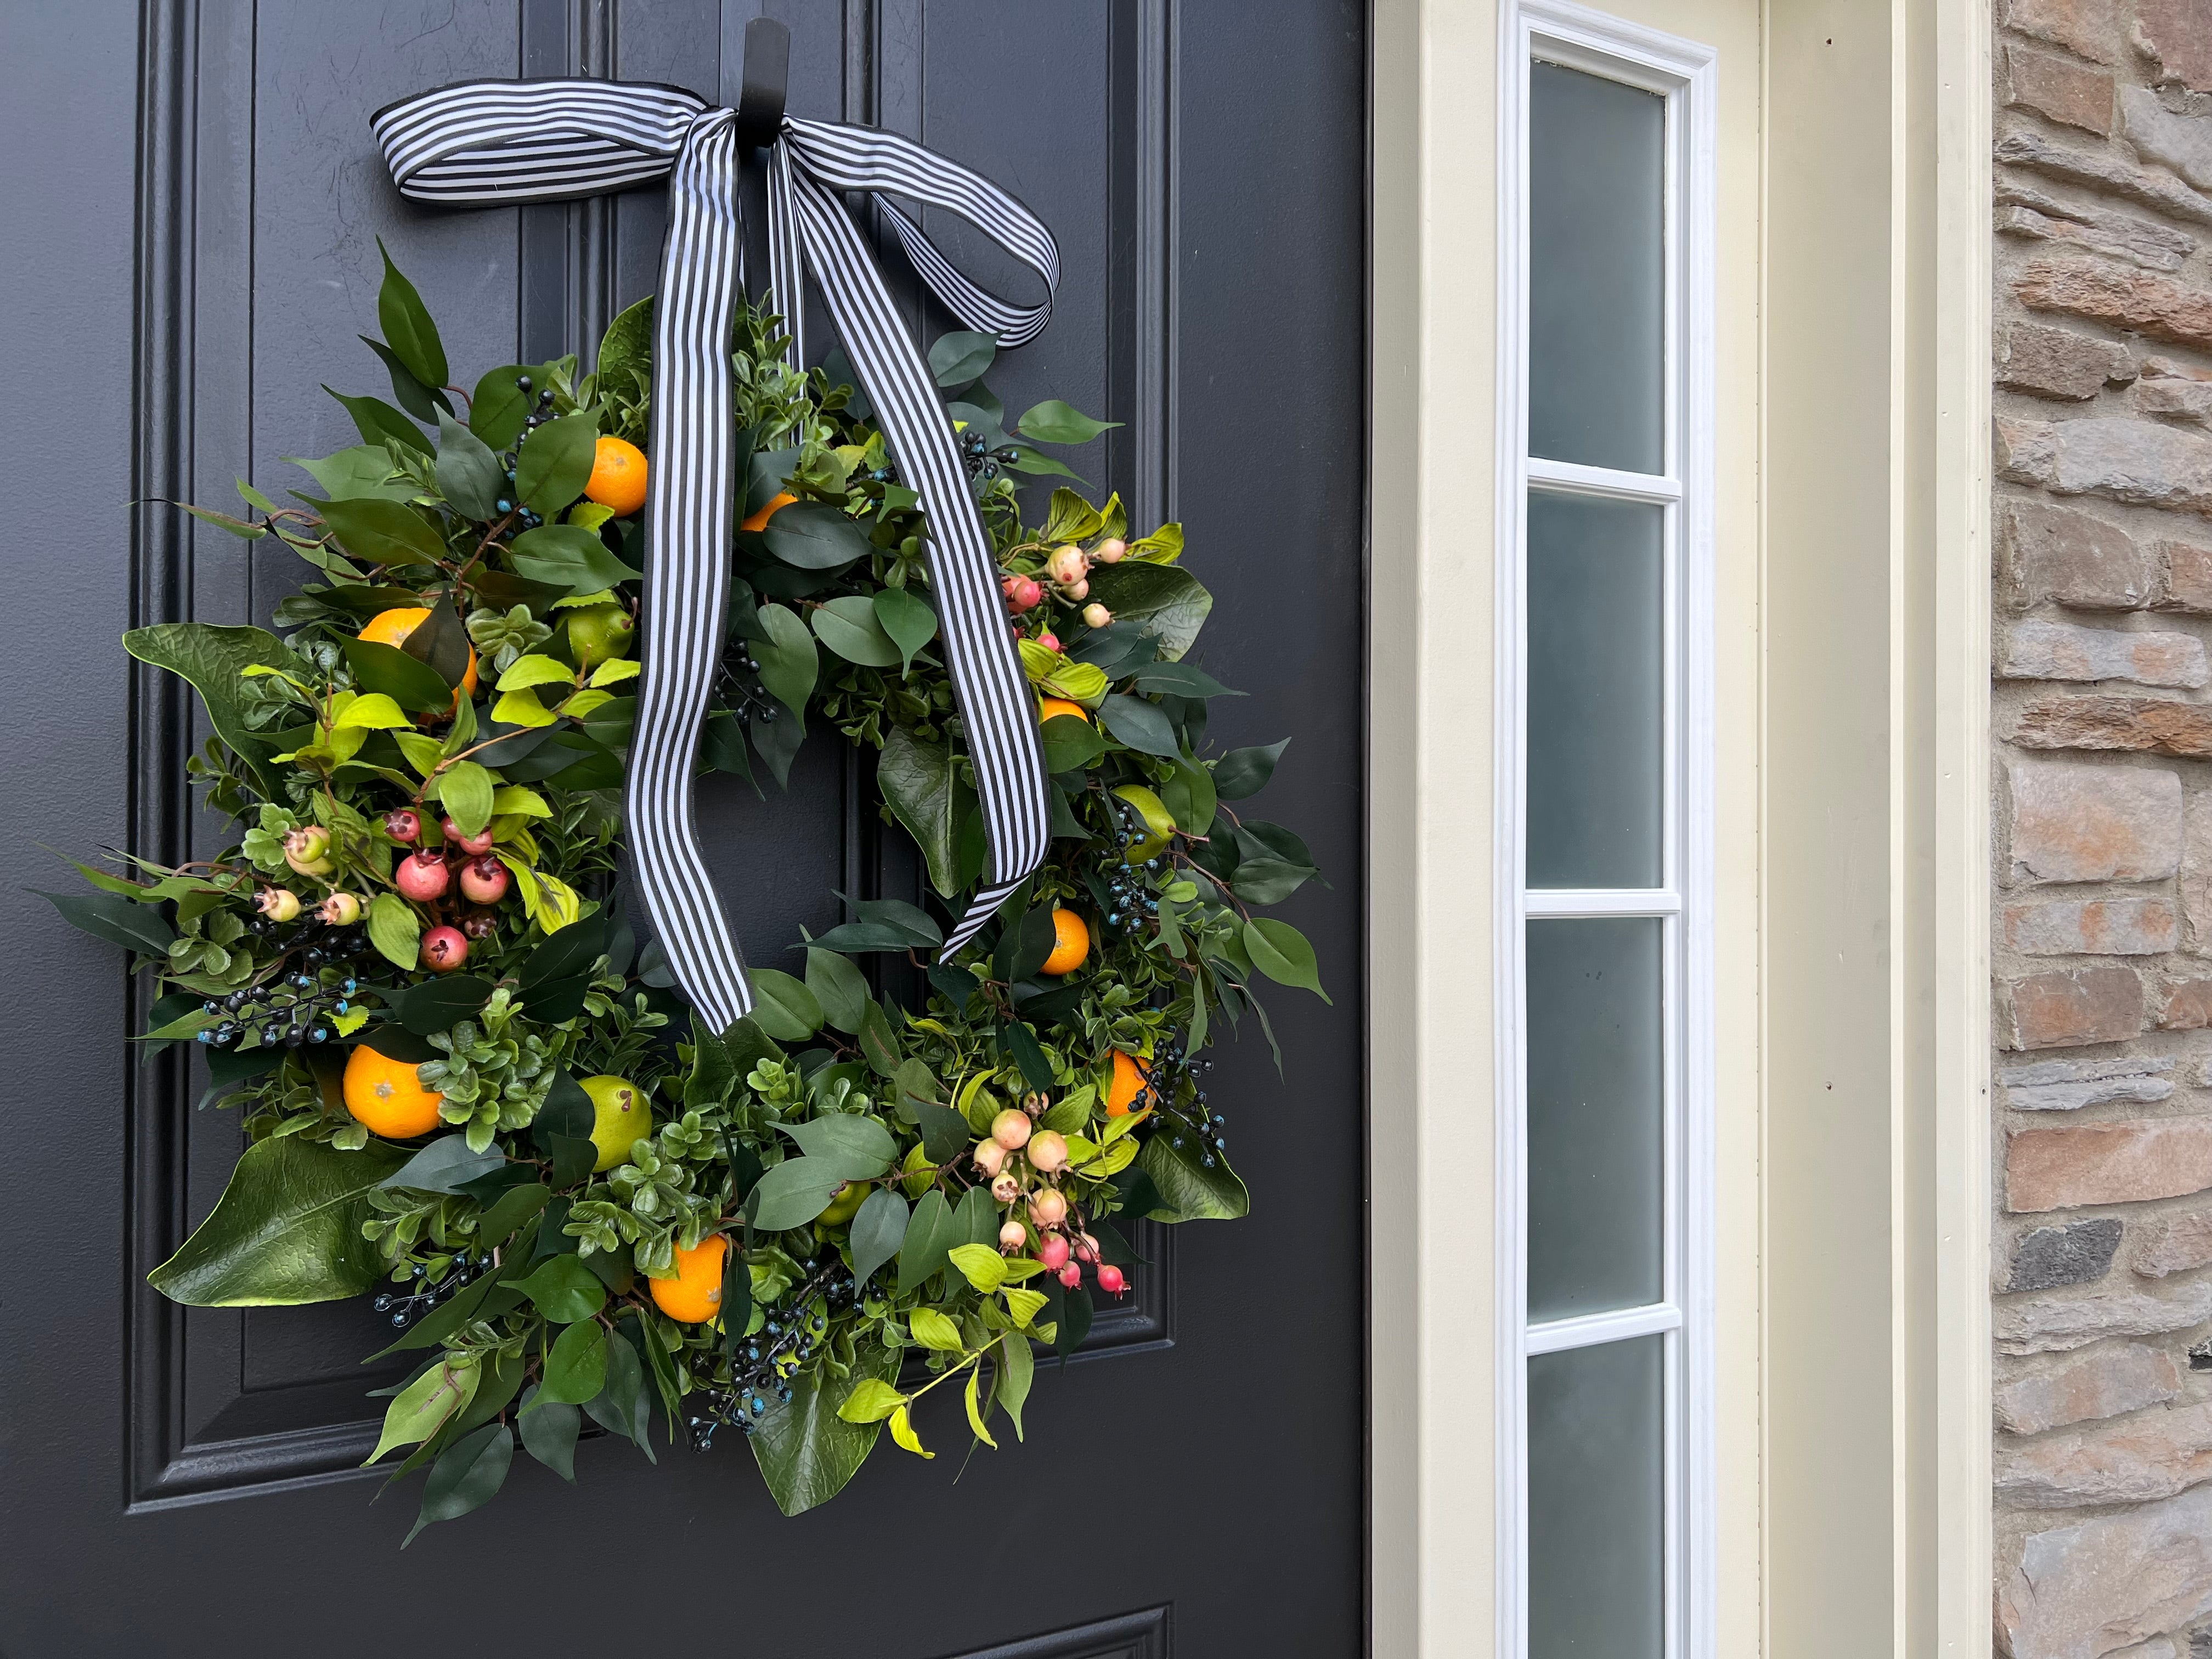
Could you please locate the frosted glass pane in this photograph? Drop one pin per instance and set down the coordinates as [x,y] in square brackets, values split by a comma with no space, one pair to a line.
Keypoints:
[1595,655]
[1597,270]
[1596,1489]
[1594,1080]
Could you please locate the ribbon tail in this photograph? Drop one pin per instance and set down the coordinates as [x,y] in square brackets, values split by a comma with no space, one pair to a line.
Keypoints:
[997,710]
[787,278]
[687,576]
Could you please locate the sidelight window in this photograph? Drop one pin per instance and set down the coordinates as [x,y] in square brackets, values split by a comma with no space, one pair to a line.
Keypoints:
[1605,1153]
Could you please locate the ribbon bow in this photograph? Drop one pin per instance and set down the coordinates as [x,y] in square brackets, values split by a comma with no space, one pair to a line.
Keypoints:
[504,142]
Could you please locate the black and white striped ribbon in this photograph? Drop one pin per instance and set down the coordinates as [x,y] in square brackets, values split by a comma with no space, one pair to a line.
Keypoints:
[502,143]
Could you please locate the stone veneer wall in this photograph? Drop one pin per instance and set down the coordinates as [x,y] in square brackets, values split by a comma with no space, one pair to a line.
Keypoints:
[2103,907]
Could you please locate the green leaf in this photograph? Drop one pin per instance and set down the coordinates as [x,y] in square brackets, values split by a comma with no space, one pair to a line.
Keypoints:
[1281,952]
[930,1235]
[783,1006]
[394,931]
[627,346]
[879,1230]
[1017,1366]
[788,661]
[1244,772]
[1180,679]
[815,536]
[623,1404]
[554,464]
[962,357]
[1025,1305]
[117,919]
[976,1218]
[916,781]
[1269,881]
[286,1231]
[1052,421]
[934,1331]
[371,711]
[467,1475]
[469,476]
[856,1147]
[1168,600]
[379,532]
[878,1043]
[421,1409]
[1189,798]
[1188,1191]
[575,1365]
[568,555]
[548,1433]
[1071,743]
[871,1400]
[446,1165]
[838,987]
[975,1410]
[1020,1042]
[512,1209]
[422,402]
[806,1451]
[848,627]
[565,1291]
[214,660]
[944,1131]
[366,470]
[1141,726]
[407,326]
[379,422]
[980,1265]
[465,793]
[498,407]
[409,682]
[792,1194]
[907,621]
[903,1434]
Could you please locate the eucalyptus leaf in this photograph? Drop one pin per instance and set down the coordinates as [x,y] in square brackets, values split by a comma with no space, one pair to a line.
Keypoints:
[879,1230]
[792,1193]
[849,627]
[783,1006]
[286,1231]
[446,1165]
[961,357]
[907,621]
[856,1147]
[838,987]
[815,536]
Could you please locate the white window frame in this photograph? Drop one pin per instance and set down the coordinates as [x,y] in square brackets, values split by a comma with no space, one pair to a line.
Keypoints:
[1685,74]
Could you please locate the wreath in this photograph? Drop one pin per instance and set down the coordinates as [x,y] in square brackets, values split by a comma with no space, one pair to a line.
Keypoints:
[457,1070]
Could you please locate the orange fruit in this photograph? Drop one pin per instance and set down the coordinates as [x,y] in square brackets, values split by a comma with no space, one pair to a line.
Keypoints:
[776,504]
[695,1295]
[386,1097]
[1071,944]
[617,476]
[1128,1084]
[1051,708]
[392,627]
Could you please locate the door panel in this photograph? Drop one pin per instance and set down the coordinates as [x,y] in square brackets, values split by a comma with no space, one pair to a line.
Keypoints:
[210,204]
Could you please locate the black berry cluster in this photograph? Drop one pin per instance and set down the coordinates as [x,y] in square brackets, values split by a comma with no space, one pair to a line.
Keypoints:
[981,460]
[406,1310]
[293,1009]
[1186,1120]
[794,1328]
[536,417]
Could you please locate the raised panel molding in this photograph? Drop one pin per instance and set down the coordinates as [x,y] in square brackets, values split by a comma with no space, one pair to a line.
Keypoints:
[226,1403]
[1128,1636]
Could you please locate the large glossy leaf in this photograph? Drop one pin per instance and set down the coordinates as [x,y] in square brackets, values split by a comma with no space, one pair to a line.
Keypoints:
[1168,600]
[815,536]
[553,463]
[916,780]
[380,532]
[568,555]
[286,1231]
[214,660]
[1188,1190]
[807,1452]
[350,474]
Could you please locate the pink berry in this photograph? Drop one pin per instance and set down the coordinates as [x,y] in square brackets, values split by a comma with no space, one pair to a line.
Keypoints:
[1048,1208]
[1005,1187]
[1078,590]
[1110,552]
[990,1157]
[1086,1248]
[1071,1276]
[1110,1279]
[1096,614]
[308,850]
[1049,641]
[1010,1129]
[472,845]
[1013,1236]
[444,948]
[404,826]
[423,877]
[484,880]
[1053,1253]
[1022,594]
[1048,1151]
[1067,566]
[479,925]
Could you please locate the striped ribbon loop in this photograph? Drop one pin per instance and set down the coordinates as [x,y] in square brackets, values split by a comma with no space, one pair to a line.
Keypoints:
[502,143]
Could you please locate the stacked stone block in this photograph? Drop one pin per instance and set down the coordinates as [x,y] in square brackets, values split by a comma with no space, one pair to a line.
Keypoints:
[2102,922]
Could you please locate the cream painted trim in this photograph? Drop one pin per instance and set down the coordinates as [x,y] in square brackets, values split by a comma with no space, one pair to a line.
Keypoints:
[1960,1453]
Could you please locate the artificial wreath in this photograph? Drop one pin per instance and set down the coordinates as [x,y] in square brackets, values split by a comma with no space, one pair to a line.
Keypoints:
[413,975]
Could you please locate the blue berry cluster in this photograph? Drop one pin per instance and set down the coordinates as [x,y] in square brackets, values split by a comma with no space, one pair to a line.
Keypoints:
[1186,1120]
[291,1011]
[794,1328]
[536,417]
[981,460]
[405,1311]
